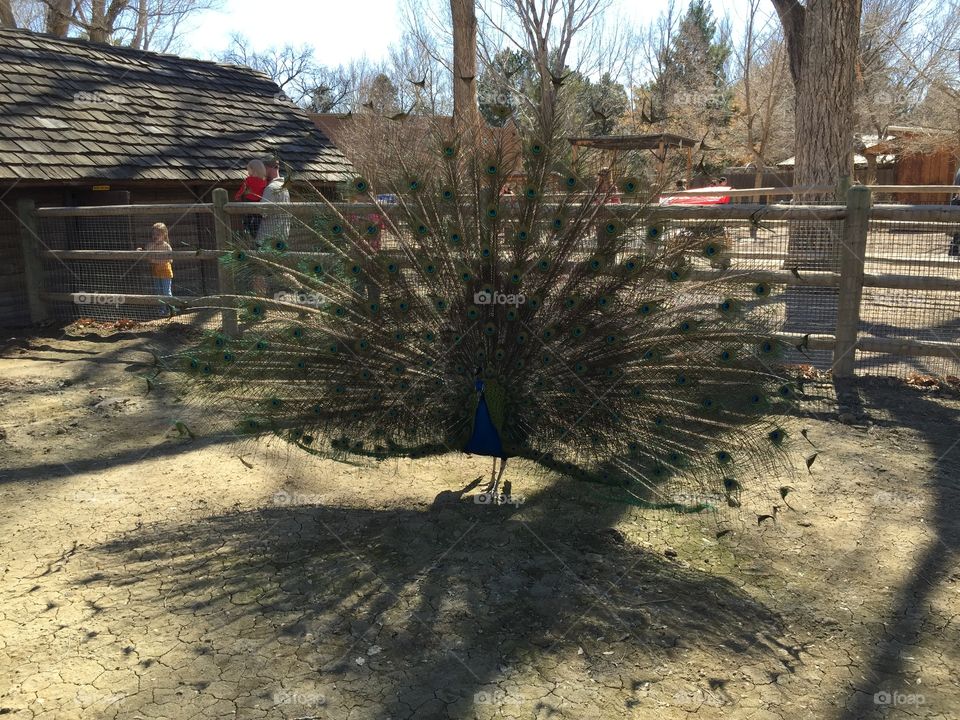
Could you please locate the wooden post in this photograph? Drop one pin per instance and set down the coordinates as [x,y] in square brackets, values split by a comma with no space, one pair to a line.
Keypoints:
[853,251]
[32,263]
[225,279]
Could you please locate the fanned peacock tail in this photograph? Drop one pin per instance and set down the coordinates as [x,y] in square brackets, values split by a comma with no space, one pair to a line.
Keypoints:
[601,354]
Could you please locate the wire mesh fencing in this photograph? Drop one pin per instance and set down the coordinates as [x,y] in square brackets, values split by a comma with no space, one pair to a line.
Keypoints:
[98,264]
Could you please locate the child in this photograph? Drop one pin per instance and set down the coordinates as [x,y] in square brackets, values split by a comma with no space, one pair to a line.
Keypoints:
[161,269]
[251,190]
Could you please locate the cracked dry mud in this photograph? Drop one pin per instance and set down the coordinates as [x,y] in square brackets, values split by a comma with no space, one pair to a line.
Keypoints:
[147,575]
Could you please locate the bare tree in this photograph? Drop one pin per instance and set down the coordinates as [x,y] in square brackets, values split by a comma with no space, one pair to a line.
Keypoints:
[762,123]
[7,18]
[822,38]
[464,21]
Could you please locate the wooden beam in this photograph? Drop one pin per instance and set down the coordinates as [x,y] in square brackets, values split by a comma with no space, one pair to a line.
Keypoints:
[853,251]
[222,237]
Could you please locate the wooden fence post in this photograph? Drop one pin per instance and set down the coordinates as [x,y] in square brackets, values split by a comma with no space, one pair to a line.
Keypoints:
[853,250]
[225,279]
[32,262]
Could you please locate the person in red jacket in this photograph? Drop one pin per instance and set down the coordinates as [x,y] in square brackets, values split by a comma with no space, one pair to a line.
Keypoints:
[251,190]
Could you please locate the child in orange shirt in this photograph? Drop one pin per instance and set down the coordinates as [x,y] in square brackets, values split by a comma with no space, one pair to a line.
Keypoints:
[251,190]
[161,269]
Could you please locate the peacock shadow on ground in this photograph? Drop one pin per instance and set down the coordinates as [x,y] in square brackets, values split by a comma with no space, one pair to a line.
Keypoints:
[427,612]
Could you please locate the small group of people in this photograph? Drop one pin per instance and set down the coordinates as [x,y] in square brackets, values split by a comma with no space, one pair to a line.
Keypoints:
[264,184]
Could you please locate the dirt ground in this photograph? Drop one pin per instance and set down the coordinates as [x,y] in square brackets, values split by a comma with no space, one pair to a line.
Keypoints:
[148,574]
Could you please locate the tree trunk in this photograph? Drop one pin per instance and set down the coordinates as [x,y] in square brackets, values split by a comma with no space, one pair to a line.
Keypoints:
[58,17]
[822,40]
[6,15]
[466,111]
[140,37]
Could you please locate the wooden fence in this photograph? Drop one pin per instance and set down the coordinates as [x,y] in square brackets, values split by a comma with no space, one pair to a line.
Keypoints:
[848,278]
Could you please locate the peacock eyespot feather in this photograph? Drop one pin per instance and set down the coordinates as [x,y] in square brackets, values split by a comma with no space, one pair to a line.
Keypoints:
[578,331]
[516,278]
[611,339]
[726,306]
[446,194]
[654,232]
[423,229]
[429,268]
[275,402]
[708,403]
[193,363]
[490,329]
[534,303]
[297,333]
[681,379]
[262,345]
[440,304]
[363,345]
[492,212]
[723,457]
[454,238]
[360,185]
[229,357]
[630,185]
[403,306]
[511,314]
[374,308]
[240,255]
[413,184]
[429,336]
[547,334]
[336,229]
[776,436]
[543,265]
[659,421]
[637,392]
[786,391]
[570,303]
[492,169]
[767,347]
[531,193]
[340,311]
[685,326]
[536,149]
[398,369]
[473,312]
[485,252]
[595,263]
[371,229]
[730,485]
[355,269]
[280,246]
[726,356]
[522,235]
[333,348]
[318,270]
[546,358]
[392,268]
[710,250]
[339,390]
[580,368]
[557,223]
[521,338]
[761,290]
[448,150]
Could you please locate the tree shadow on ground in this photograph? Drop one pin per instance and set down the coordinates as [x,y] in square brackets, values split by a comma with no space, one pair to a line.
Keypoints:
[428,613]
[911,618]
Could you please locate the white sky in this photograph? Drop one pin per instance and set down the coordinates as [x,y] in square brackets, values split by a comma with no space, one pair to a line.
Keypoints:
[340,30]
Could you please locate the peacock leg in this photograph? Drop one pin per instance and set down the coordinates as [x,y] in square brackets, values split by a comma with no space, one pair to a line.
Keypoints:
[503,466]
[493,475]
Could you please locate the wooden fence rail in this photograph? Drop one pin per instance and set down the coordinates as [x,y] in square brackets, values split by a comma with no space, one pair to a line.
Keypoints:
[850,279]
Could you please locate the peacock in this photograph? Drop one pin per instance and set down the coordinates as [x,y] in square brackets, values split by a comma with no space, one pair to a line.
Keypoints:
[484,293]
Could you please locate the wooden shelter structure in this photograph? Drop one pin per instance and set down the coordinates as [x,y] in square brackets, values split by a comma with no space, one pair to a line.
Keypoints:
[660,144]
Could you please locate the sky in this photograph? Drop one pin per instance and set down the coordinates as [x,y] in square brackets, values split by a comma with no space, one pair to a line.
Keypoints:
[340,30]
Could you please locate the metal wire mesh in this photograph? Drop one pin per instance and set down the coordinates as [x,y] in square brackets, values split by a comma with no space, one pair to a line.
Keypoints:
[914,250]
[112,289]
[108,289]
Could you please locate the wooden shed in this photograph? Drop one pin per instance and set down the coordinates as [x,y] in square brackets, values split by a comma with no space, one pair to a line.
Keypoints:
[91,124]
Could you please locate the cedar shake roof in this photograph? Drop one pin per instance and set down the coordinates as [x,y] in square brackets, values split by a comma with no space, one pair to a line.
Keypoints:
[74,110]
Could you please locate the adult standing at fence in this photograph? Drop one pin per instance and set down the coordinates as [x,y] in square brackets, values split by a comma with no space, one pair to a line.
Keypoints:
[955,200]
[275,226]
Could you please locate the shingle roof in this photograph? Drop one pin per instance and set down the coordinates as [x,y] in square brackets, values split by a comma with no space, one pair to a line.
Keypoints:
[73,110]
